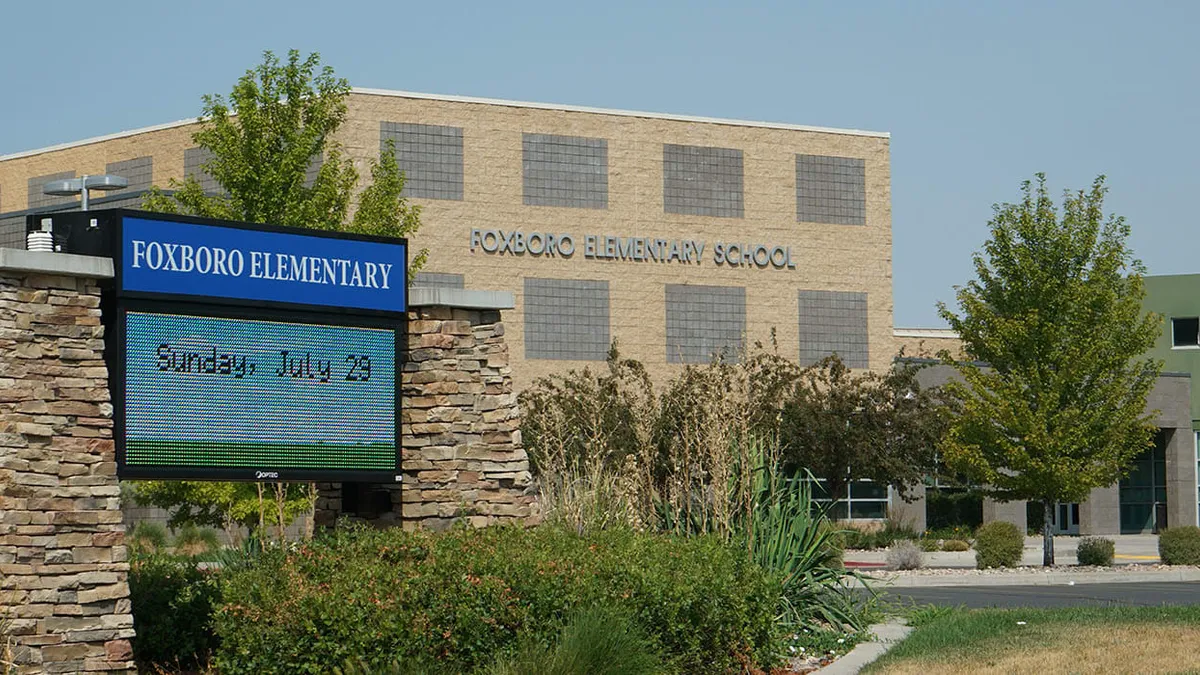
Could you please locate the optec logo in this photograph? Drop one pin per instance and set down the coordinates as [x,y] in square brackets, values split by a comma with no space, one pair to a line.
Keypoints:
[259,475]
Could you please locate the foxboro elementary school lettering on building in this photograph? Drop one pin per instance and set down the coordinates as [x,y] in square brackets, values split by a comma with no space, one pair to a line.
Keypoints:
[676,237]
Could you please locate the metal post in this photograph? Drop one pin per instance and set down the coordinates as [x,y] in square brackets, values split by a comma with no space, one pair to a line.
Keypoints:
[83,191]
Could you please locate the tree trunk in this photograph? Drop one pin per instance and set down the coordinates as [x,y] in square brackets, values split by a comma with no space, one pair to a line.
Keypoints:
[1047,533]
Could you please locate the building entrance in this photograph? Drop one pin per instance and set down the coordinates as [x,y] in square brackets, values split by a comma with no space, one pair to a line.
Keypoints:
[1144,491]
[1066,518]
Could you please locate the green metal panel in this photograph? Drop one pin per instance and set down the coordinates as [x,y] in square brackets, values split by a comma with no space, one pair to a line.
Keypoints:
[1176,295]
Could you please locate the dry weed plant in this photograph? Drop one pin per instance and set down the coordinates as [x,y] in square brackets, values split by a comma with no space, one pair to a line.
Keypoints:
[608,450]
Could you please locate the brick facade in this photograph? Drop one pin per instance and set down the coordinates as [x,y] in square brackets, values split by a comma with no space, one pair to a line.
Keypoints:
[512,166]
[63,561]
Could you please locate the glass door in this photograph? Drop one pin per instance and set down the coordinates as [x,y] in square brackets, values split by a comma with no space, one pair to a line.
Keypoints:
[1066,518]
[1144,490]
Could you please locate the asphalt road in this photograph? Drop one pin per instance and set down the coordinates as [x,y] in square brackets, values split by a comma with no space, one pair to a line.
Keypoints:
[1147,594]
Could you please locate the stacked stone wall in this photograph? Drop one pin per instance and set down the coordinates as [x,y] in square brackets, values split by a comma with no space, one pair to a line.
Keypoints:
[63,561]
[462,454]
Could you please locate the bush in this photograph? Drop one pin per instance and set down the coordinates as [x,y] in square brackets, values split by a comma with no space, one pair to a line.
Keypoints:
[883,537]
[957,532]
[147,537]
[998,544]
[470,597]
[904,555]
[598,641]
[955,545]
[929,545]
[1095,551]
[1180,545]
[194,541]
[173,604]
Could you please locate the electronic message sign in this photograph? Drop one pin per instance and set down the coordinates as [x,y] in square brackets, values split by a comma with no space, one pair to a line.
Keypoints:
[255,353]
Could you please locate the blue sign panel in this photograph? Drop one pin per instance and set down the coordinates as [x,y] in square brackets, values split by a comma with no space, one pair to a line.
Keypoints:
[169,257]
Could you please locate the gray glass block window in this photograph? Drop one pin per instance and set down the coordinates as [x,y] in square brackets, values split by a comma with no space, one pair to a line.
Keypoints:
[566,319]
[704,322]
[831,190]
[567,171]
[193,166]
[834,321]
[437,280]
[12,232]
[138,171]
[430,156]
[38,199]
[702,181]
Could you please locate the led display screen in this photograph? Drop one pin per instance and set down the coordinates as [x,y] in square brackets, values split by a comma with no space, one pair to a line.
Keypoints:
[265,396]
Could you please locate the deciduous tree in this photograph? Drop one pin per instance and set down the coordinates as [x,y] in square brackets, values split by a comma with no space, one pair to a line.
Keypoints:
[843,425]
[280,122]
[1056,376]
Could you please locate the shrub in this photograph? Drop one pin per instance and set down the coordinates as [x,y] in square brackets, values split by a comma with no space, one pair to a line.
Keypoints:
[955,545]
[836,544]
[598,641]
[1095,551]
[173,604]
[883,537]
[469,597]
[147,537]
[929,544]
[957,532]
[1179,545]
[193,541]
[904,555]
[998,544]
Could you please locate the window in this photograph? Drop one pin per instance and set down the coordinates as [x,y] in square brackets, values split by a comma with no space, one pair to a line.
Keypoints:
[864,500]
[1185,332]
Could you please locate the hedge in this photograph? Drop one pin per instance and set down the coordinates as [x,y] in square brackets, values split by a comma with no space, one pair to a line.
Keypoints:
[465,598]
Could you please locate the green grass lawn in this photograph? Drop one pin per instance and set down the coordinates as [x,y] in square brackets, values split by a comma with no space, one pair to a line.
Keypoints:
[1075,640]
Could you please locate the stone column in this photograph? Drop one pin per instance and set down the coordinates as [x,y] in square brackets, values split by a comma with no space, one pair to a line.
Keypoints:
[1181,477]
[911,514]
[462,457]
[63,562]
[1009,512]
[1100,513]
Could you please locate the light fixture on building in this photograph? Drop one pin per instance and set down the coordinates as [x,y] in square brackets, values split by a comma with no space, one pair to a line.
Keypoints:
[41,236]
[83,185]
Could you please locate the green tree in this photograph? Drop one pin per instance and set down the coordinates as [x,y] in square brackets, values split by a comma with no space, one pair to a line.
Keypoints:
[843,425]
[1056,316]
[280,120]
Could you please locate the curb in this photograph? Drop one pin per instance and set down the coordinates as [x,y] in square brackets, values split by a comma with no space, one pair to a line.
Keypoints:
[1036,579]
[887,634]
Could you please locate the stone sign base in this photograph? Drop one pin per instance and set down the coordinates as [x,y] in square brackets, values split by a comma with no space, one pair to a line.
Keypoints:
[462,455]
[63,564]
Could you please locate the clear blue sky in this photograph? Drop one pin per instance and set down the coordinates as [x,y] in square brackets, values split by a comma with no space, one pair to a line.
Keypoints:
[977,96]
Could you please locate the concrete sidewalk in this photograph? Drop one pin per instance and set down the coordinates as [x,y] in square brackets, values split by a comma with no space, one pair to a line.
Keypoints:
[1131,549]
[1136,562]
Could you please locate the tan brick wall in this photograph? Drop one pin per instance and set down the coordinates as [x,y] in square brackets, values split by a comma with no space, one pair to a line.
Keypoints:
[166,146]
[828,257]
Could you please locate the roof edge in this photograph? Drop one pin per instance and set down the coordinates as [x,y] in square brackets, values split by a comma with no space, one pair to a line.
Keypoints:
[99,139]
[615,111]
[485,101]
